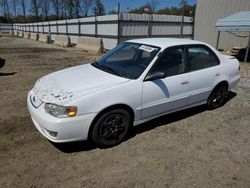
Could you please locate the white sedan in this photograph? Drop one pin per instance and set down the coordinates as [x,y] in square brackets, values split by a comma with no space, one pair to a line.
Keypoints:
[135,82]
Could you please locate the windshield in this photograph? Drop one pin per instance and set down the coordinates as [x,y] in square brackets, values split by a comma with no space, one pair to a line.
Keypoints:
[127,60]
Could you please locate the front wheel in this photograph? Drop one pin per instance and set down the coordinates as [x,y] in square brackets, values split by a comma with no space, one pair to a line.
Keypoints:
[217,97]
[111,128]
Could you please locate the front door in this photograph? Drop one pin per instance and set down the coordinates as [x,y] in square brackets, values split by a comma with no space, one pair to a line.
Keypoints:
[169,93]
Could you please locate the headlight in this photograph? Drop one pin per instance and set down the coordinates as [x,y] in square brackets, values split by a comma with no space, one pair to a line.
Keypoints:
[60,111]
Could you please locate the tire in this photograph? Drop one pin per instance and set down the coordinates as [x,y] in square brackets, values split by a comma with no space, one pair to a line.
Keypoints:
[111,128]
[218,97]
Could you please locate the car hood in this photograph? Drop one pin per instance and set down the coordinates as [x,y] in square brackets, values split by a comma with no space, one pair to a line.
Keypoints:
[63,86]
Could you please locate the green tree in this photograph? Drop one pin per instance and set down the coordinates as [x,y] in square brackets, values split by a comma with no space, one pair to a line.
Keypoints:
[139,10]
[188,11]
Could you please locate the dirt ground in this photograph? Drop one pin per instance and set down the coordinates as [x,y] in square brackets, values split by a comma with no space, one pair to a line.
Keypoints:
[191,148]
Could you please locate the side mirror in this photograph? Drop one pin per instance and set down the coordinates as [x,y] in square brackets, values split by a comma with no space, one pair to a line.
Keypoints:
[155,76]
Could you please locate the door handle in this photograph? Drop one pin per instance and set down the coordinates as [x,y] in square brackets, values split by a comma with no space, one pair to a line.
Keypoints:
[184,82]
[217,74]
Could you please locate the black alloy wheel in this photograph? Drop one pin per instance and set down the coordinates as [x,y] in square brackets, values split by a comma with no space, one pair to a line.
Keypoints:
[2,62]
[111,128]
[217,97]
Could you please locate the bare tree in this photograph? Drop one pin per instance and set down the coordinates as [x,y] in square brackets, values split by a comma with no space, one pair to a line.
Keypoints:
[14,6]
[23,6]
[70,7]
[45,5]
[63,9]
[77,8]
[35,8]
[5,5]
[56,5]
[86,4]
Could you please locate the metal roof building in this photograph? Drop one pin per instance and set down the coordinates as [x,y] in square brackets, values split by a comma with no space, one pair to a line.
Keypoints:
[206,16]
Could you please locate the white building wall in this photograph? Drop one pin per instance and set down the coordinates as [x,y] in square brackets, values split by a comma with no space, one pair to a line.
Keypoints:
[206,16]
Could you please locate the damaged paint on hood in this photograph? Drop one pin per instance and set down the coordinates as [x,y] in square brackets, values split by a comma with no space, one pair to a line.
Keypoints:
[47,91]
[66,85]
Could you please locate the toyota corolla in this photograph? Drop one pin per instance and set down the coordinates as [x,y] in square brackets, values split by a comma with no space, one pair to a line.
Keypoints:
[135,82]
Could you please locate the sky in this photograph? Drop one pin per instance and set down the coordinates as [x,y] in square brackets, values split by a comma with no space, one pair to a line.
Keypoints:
[133,4]
[111,4]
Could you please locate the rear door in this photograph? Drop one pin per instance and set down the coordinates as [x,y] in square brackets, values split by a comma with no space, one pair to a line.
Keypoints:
[203,71]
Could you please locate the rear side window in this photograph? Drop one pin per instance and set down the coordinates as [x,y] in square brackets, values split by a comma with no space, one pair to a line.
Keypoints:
[201,58]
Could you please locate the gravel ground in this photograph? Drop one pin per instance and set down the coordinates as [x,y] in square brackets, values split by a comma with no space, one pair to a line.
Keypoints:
[191,148]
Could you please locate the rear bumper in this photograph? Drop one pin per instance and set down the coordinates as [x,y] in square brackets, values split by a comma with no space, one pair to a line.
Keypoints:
[234,81]
[60,129]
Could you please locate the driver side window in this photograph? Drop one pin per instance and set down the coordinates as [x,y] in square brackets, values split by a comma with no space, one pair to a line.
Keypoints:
[171,62]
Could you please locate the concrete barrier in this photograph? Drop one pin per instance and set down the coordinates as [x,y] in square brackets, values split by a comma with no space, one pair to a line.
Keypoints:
[62,40]
[16,33]
[44,38]
[20,34]
[11,32]
[26,35]
[90,44]
[33,36]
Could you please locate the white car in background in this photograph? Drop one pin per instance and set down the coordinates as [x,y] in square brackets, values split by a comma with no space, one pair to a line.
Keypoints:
[135,82]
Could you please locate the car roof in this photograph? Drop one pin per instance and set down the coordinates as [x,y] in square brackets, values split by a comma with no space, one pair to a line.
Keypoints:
[164,42]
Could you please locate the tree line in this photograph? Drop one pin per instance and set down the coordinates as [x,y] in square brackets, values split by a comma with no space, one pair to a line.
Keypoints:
[151,6]
[46,10]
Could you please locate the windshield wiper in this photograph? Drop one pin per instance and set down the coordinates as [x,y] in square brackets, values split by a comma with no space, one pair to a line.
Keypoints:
[103,67]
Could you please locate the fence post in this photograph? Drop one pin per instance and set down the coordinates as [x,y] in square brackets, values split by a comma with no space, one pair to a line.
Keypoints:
[49,32]
[182,21]
[43,27]
[66,24]
[119,19]
[37,28]
[79,28]
[149,24]
[56,27]
[217,40]
[49,27]
[95,23]
[193,17]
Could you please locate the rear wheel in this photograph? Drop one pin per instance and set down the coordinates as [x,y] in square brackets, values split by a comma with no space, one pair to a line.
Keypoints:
[217,97]
[111,128]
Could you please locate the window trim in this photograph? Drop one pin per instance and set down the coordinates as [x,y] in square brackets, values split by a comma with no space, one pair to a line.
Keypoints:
[186,60]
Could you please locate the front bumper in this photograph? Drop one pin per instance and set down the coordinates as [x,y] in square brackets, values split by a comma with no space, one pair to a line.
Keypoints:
[60,129]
